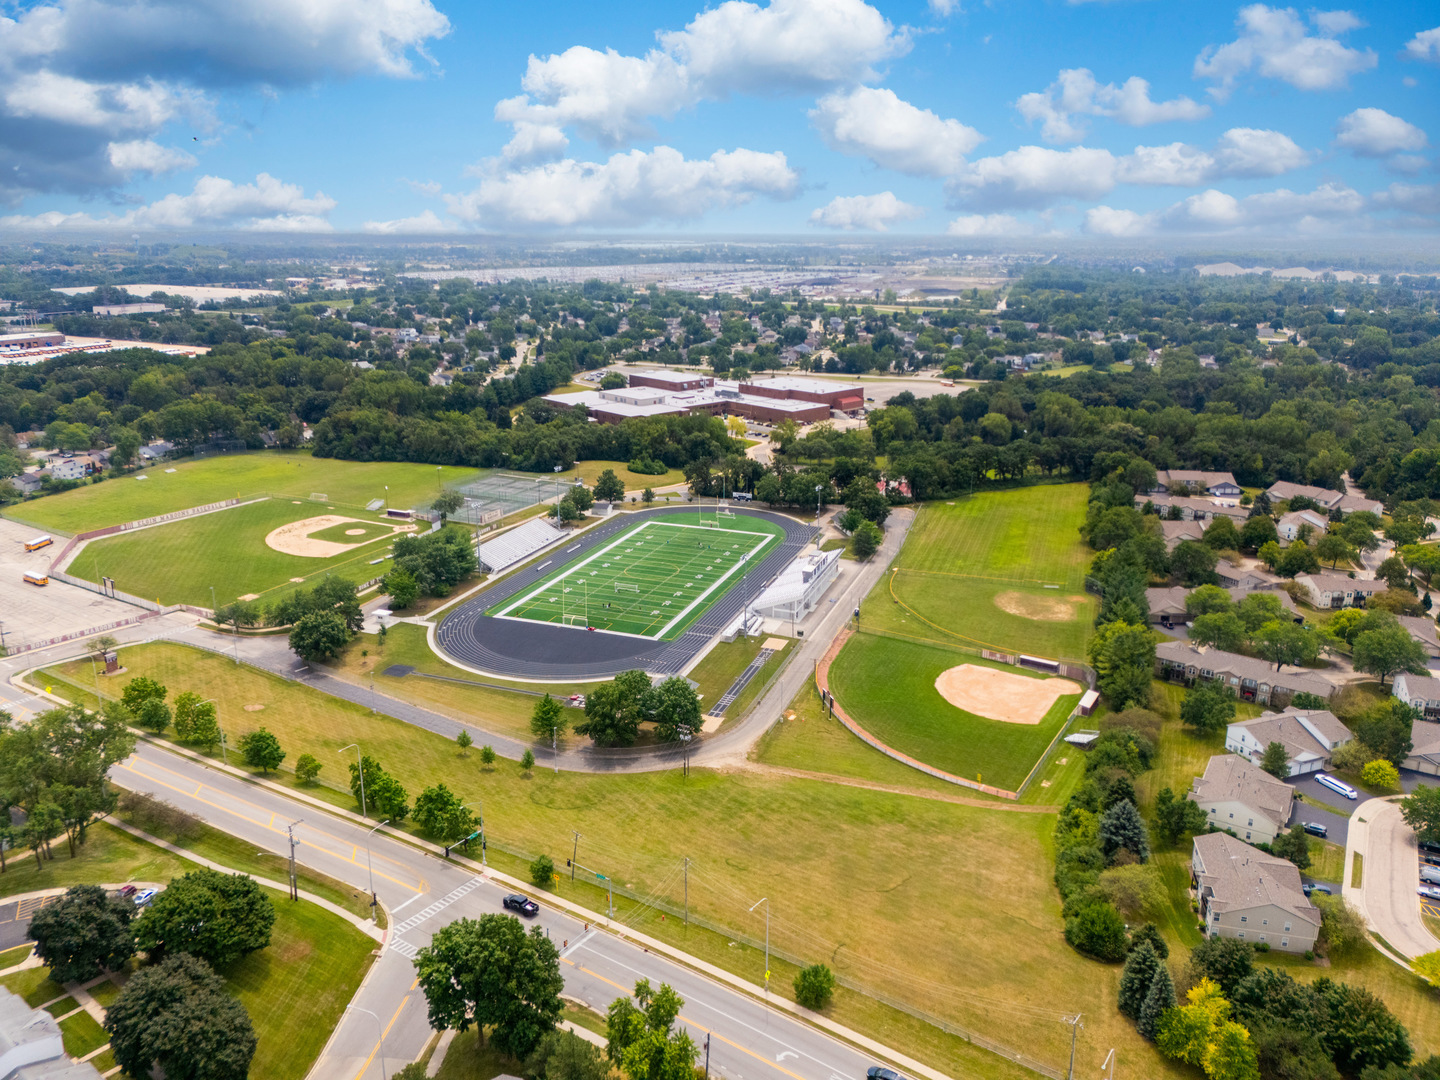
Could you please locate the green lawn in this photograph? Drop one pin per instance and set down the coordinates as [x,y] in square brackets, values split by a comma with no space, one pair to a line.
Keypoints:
[590,471]
[723,664]
[839,856]
[197,483]
[975,572]
[887,686]
[179,562]
[104,993]
[352,532]
[82,1034]
[653,579]
[34,985]
[10,957]
[468,1060]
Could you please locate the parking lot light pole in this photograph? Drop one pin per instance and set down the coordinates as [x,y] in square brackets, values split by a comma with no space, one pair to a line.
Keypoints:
[766,901]
[360,764]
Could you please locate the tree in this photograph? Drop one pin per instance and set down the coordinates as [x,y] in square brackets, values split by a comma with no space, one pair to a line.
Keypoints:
[1097,930]
[542,872]
[187,706]
[262,750]
[613,710]
[487,755]
[1208,708]
[1135,980]
[1282,642]
[1380,774]
[1230,1055]
[153,715]
[563,1055]
[1341,926]
[464,741]
[547,719]
[491,973]
[319,635]
[307,768]
[1259,608]
[1293,845]
[441,815]
[446,503]
[1426,966]
[609,487]
[1135,890]
[1121,829]
[1270,554]
[1185,1032]
[375,789]
[180,1016]
[866,540]
[85,933]
[1276,760]
[1192,563]
[1159,1000]
[1207,600]
[1332,548]
[1423,559]
[139,690]
[1220,630]
[641,1039]
[1226,961]
[1175,818]
[1123,656]
[1258,531]
[1360,1032]
[1387,650]
[1221,535]
[647,496]
[1393,572]
[1421,811]
[402,589]
[675,709]
[815,986]
[217,917]
[527,761]
[1386,729]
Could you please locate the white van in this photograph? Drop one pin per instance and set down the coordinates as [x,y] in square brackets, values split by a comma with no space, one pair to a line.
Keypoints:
[1337,786]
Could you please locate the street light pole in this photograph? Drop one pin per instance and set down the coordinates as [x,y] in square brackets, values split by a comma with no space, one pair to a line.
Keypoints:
[359,764]
[369,866]
[384,1075]
[574,854]
[766,901]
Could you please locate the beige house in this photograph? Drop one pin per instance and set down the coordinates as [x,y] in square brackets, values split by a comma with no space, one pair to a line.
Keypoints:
[1422,630]
[1249,895]
[1238,795]
[1338,590]
[1309,736]
[1250,679]
[1326,497]
[1424,748]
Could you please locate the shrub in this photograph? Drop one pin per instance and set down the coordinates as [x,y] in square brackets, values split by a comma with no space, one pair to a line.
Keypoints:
[815,986]
[542,872]
[1380,774]
[1097,931]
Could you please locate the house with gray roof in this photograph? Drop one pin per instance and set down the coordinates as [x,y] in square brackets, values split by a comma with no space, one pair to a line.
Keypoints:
[31,1046]
[1219,485]
[1309,736]
[1238,795]
[1422,630]
[1326,498]
[1424,754]
[1418,691]
[1173,532]
[1250,679]
[1249,895]
[1195,508]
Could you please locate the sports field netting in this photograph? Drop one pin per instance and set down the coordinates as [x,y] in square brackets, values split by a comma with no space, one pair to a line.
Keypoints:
[491,496]
[650,581]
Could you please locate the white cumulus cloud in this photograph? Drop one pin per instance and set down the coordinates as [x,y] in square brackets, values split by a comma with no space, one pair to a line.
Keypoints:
[1275,43]
[628,189]
[738,47]
[147,156]
[873,212]
[1415,198]
[1424,45]
[426,223]
[1328,208]
[1062,106]
[894,134]
[1108,221]
[1376,133]
[988,225]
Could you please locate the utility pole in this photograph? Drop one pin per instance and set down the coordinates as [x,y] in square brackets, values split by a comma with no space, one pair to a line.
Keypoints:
[687,915]
[294,887]
[574,854]
[1075,1026]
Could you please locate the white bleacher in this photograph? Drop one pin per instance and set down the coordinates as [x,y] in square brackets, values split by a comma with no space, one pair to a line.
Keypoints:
[518,543]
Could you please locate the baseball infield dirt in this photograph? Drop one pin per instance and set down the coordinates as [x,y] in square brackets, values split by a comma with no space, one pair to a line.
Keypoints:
[295,539]
[1002,695]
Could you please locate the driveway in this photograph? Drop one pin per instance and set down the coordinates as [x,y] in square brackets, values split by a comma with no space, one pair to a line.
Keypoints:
[1387,896]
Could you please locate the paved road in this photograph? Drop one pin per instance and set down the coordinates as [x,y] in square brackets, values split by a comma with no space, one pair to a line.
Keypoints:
[15,917]
[1387,894]
[749,1040]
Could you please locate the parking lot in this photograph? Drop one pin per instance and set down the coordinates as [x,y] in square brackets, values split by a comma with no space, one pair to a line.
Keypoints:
[31,613]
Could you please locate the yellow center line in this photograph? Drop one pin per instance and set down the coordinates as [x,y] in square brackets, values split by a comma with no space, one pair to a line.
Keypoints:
[383,1034]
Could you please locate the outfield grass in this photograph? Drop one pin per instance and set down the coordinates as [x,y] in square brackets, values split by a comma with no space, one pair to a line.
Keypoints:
[179,562]
[975,572]
[859,876]
[197,483]
[887,686]
[652,579]
[353,532]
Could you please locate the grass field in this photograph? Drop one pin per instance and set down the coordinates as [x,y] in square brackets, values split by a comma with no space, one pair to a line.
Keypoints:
[975,572]
[860,876]
[589,471]
[724,663]
[887,686]
[196,483]
[652,580]
[177,563]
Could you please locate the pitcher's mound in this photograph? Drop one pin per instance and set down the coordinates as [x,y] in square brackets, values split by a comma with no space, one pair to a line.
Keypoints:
[1002,695]
[1039,608]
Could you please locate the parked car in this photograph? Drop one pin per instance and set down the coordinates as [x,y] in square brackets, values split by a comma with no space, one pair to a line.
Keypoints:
[879,1072]
[1429,892]
[1337,786]
[128,891]
[144,896]
[1314,828]
[1430,875]
[1315,887]
[1430,846]
[523,904]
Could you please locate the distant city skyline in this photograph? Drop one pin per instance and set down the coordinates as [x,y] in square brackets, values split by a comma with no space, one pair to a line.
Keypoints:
[1136,119]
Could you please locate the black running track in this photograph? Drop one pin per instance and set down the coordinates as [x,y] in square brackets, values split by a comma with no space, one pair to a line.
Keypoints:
[521,649]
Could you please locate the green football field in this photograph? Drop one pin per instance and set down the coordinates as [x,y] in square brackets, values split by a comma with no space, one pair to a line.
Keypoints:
[652,580]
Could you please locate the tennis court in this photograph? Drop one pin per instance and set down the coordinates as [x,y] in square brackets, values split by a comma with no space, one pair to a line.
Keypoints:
[652,580]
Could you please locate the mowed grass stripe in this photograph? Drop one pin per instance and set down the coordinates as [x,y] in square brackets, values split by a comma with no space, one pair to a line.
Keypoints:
[671,562]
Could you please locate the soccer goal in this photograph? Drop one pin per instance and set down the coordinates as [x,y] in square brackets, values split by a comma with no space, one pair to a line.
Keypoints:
[573,620]
[625,586]
[723,513]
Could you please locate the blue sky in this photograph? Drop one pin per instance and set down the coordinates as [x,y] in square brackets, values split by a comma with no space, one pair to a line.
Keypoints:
[1134,118]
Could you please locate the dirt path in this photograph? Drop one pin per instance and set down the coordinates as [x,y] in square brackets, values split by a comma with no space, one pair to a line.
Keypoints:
[871,785]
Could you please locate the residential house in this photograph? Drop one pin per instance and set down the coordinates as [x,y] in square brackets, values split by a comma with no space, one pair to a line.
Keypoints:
[1309,736]
[1250,679]
[1290,524]
[1424,748]
[1248,580]
[68,469]
[1419,691]
[156,451]
[1176,531]
[1239,796]
[1327,498]
[27,483]
[1338,590]
[1422,630]
[1167,605]
[1193,508]
[1219,485]
[1249,895]
[32,1046]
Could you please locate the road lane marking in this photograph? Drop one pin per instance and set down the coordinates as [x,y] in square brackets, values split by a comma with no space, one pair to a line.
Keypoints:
[381,1043]
[405,949]
[439,905]
[407,903]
